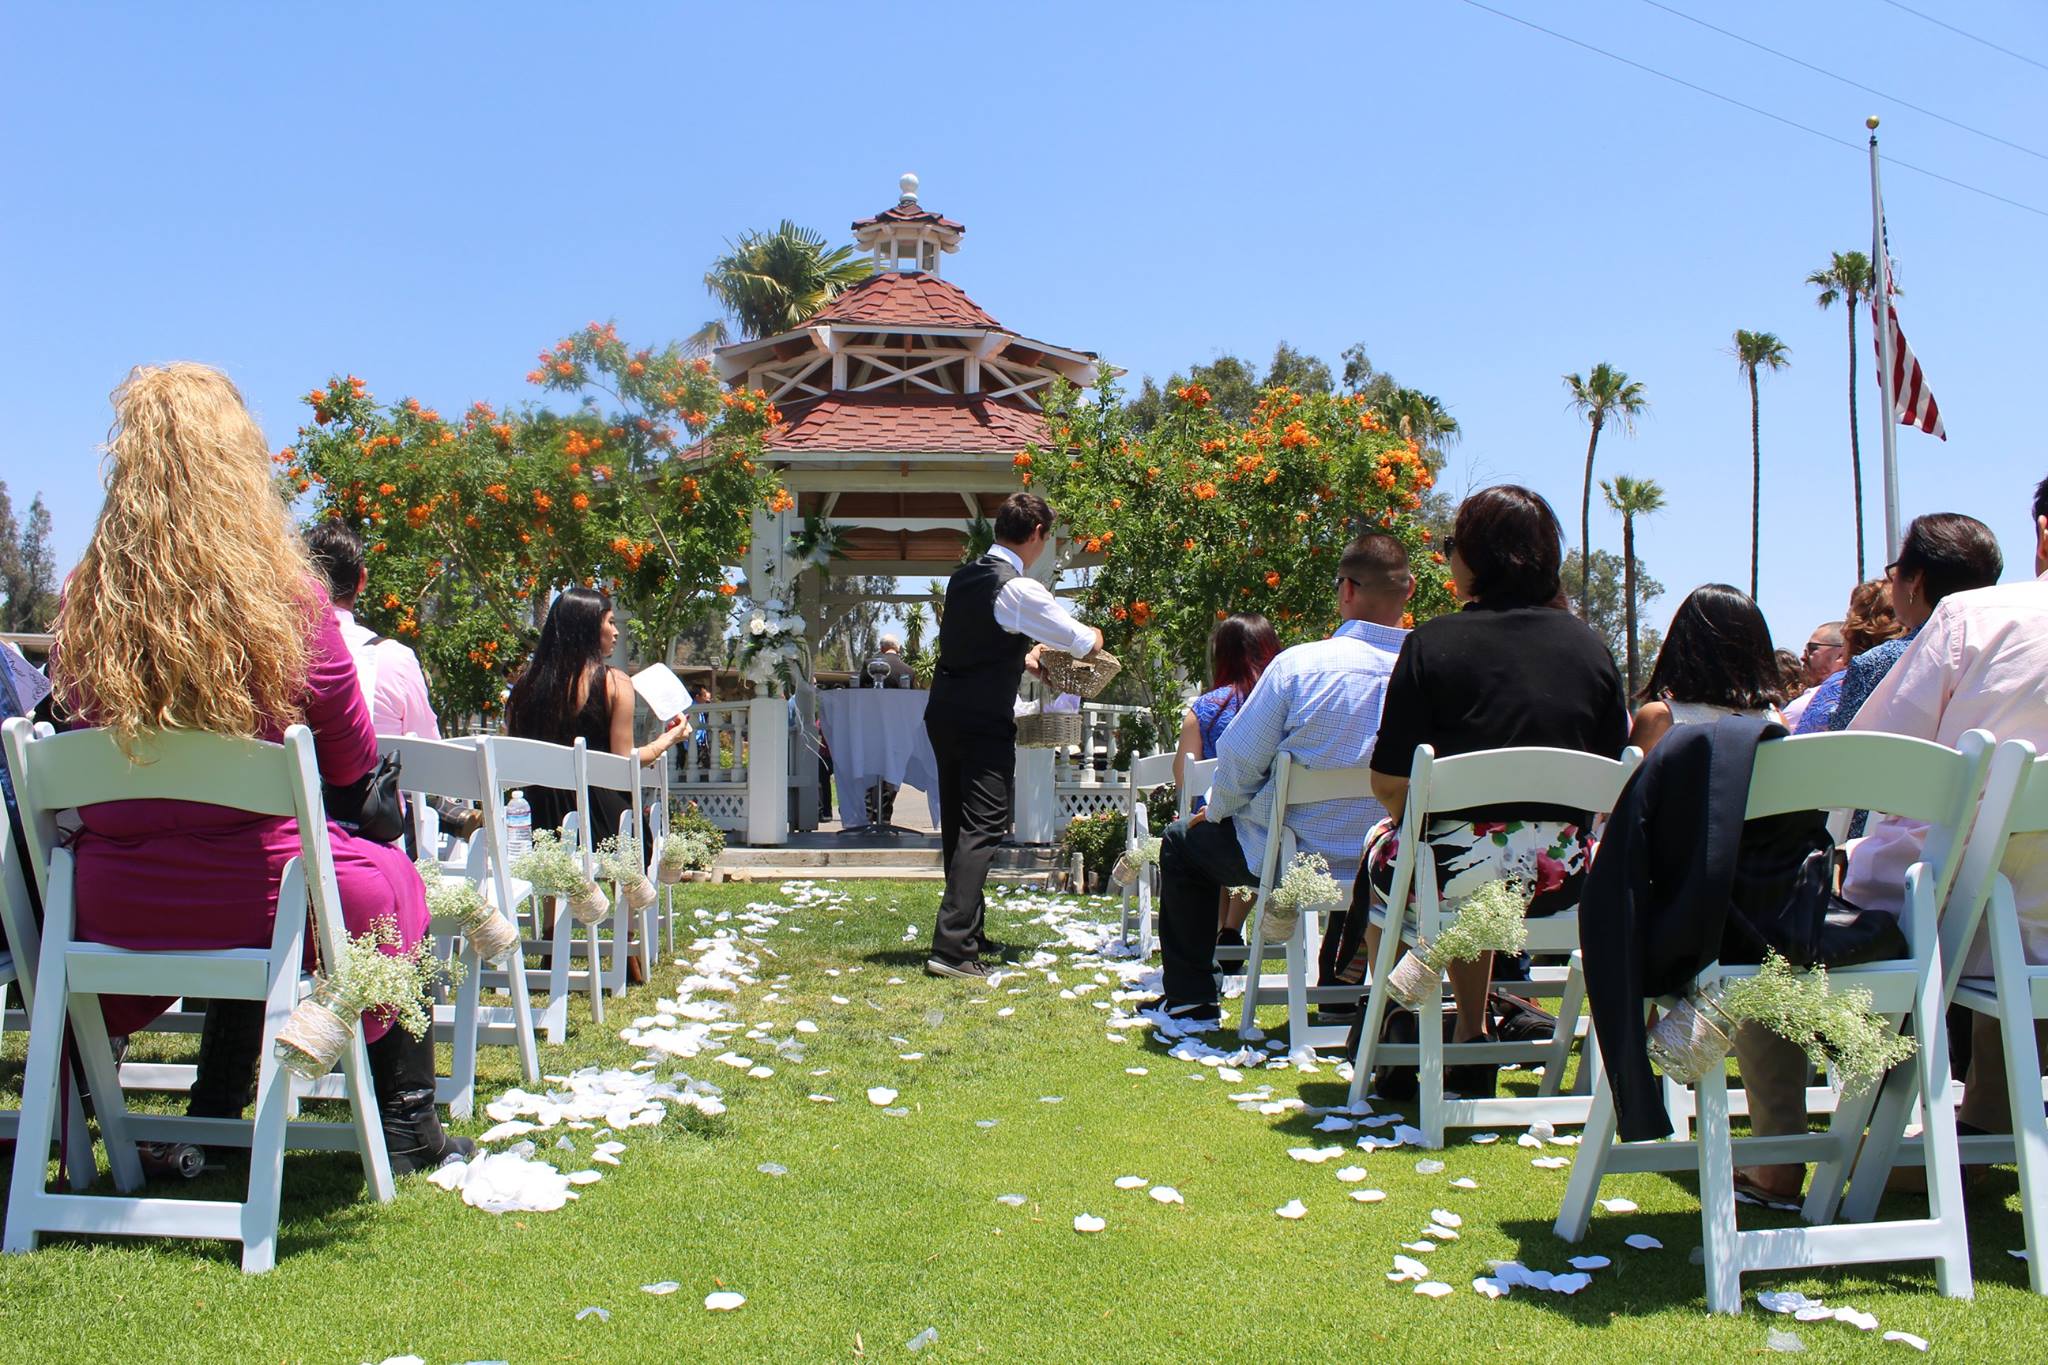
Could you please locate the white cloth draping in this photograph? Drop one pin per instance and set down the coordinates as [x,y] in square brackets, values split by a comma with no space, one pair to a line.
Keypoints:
[878,734]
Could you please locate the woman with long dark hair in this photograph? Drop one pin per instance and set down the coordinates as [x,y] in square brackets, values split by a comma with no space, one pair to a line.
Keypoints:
[567,692]
[1716,661]
[1239,649]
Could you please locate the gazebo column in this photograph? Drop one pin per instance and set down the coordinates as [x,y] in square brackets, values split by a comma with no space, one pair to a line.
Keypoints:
[810,604]
[771,748]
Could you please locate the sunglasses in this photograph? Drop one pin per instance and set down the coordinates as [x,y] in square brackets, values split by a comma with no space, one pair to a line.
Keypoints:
[1450,547]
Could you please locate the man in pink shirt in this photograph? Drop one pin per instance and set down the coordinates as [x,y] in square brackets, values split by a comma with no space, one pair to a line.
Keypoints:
[1980,662]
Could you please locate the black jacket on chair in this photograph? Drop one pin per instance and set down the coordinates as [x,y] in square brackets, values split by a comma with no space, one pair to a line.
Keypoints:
[1658,895]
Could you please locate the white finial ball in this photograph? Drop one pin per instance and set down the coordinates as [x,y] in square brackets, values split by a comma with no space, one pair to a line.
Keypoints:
[909,185]
[1871,123]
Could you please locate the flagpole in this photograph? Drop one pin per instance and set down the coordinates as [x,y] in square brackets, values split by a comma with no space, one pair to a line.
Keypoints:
[1888,413]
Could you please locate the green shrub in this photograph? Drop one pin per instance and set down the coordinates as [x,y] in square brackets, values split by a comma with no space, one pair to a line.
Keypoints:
[1098,838]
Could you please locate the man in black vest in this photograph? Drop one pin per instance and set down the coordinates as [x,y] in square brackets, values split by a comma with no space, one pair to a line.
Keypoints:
[994,609]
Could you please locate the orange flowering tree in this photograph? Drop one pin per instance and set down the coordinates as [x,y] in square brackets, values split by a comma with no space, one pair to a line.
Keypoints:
[645,488]
[1205,516]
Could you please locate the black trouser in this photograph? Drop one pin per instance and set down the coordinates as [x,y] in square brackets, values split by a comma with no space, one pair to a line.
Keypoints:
[977,788]
[1196,861]
[881,803]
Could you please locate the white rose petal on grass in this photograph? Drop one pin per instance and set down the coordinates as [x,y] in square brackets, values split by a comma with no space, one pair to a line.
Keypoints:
[772,1168]
[879,1095]
[1167,1194]
[1907,1339]
[1407,1268]
[1130,1182]
[1550,1163]
[1015,1201]
[1293,1208]
[1051,1099]
[1434,1289]
[897,1111]
[1643,1241]
[1590,1263]
[910,1056]
[823,1099]
[601,1314]
[1005,1012]
[1368,1196]
[1429,1166]
[1465,1182]
[1136,1071]
[985,1123]
[724,1301]
[1088,1222]
[1446,1218]
[1856,1318]
[761,1073]
[1618,1205]
[1569,1284]
[661,1287]
[1351,1175]
[1482,1139]
[1440,1232]
[1419,1248]
[1491,1288]
[604,1158]
[1315,1156]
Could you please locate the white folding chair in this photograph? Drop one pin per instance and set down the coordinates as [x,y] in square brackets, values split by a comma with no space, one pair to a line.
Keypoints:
[526,763]
[1887,774]
[1558,777]
[1295,786]
[86,768]
[463,772]
[1147,773]
[2016,994]
[621,773]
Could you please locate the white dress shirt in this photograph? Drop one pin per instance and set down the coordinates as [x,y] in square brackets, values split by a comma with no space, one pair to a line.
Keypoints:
[1026,606]
[397,694]
[1980,662]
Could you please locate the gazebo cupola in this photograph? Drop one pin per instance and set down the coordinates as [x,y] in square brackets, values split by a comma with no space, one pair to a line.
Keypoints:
[909,236]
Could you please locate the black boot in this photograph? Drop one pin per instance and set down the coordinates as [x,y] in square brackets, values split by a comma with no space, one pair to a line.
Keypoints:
[402,1073]
[230,1044]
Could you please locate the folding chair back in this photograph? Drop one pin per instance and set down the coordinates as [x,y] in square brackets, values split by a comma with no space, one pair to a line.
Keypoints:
[87,768]
[1147,773]
[518,764]
[622,773]
[1195,780]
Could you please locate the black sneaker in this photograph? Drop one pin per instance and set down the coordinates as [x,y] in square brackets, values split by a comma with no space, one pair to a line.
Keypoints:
[964,971]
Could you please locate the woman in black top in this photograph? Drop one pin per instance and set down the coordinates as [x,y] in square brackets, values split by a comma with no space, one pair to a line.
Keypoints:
[1511,670]
[568,692]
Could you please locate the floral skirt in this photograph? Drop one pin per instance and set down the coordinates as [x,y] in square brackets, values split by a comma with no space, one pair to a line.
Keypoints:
[1548,857]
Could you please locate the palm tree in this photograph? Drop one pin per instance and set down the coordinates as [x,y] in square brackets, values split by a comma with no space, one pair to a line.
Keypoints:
[1603,395]
[1420,417]
[770,282]
[1757,351]
[1849,278]
[1632,498]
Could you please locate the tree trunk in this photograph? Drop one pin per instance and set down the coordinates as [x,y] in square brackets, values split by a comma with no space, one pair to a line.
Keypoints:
[1756,484]
[1855,444]
[1586,524]
[1628,594]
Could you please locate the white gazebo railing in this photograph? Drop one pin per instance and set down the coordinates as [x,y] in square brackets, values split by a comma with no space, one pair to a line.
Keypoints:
[737,768]
[1085,778]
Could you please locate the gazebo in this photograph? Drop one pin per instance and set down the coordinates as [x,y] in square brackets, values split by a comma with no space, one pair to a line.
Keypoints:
[906,404]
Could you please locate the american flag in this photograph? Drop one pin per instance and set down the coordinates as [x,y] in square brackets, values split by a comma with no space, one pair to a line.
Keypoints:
[1913,402]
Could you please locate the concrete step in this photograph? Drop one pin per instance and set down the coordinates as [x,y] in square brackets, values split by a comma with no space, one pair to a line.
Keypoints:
[876,873]
[847,861]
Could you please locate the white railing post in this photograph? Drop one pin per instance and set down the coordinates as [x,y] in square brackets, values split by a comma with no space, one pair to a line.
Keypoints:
[767,771]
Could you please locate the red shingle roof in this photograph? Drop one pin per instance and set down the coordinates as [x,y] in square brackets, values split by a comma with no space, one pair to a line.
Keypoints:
[939,424]
[905,299]
[908,213]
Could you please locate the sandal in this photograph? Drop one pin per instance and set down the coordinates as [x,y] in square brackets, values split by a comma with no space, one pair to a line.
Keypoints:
[1748,1191]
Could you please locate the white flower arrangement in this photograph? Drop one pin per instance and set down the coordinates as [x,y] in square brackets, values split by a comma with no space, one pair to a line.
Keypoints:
[1306,883]
[551,866]
[1837,1030]
[1492,919]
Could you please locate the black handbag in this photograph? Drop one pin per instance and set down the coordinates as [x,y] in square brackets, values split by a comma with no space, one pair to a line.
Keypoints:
[371,807]
[1784,900]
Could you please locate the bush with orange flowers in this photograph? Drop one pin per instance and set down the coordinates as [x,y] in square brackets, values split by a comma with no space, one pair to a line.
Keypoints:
[471,524]
[1204,515]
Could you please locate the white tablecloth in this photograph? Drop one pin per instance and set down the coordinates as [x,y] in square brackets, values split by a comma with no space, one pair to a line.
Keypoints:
[878,733]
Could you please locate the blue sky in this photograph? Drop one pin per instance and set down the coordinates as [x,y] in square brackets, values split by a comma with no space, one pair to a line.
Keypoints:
[426,195]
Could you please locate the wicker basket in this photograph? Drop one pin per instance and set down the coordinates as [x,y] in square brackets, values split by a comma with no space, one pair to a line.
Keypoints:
[1055,731]
[1084,678]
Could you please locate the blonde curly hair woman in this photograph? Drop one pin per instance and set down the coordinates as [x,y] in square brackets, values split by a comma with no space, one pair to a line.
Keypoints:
[195,607]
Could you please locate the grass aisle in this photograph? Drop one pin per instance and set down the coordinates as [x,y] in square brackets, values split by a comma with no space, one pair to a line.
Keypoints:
[884,1226]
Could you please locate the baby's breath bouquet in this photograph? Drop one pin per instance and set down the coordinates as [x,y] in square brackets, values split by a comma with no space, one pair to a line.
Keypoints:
[457,899]
[551,866]
[1492,919]
[1836,1029]
[683,852]
[1306,883]
[371,977]
[1132,863]
[620,860]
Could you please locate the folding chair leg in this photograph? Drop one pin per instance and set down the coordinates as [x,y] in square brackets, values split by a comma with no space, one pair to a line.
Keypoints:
[1297,987]
[103,1080]
[2030,1142]
[1145,915]
[37,1126]
[1254,972]
[1568,1009]
[1717,1195]
[1430,1091]
[468,1003]
[369,1126]
[522,1015]
[1849,1188]
[1938,1133]
[1588,1166]
[560,959]
[596,964]
[266,1164]
[1377,1003]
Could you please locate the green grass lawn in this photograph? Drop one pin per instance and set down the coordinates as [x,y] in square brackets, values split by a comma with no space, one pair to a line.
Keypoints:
[884,1226]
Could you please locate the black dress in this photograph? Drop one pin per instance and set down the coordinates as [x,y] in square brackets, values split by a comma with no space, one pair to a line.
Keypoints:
[593,723]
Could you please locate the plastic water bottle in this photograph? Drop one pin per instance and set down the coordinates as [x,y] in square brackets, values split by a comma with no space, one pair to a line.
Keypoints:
[518,826]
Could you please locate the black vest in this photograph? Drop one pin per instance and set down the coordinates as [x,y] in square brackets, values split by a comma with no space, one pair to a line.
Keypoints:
[980,663]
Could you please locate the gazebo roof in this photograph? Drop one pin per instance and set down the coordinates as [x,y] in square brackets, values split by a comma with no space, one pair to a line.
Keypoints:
[896,423]
[897,298]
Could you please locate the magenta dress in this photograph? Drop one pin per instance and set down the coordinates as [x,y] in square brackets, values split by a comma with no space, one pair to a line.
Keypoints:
[182,874]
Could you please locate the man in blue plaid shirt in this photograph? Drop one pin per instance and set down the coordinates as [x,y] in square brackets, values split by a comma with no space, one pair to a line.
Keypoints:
[1320,704]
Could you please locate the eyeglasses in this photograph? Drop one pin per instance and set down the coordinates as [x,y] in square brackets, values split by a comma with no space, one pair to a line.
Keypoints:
[1814,647]
[1891,570]
[1450,546]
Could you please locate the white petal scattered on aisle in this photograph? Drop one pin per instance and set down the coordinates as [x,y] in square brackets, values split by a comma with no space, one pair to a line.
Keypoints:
[1368,1196]
[1643,1241]
[1618,1205]
[1293,1208]
[879,1095]
[1491,1288]
[1130,1182]
[1550,1163]
[1446,1218]
[772,1168]
[1015,1201]
[1907,1339]
[1136,1071]
[1483,1139]
[1590,1263]
[1088,1222]
[1435,1289]
[661,1287]
[1407,1268]
[601,1314]
[1351,1175]
[1167,1194]
[1429,1166]
[1465,1182]
[724,1301]
[1315,1156]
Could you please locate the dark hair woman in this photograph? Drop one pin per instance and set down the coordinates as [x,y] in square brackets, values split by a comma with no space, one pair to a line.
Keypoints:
[1508,671]
[1943,552]
[1239,649]
[567,692]
[1716,661]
